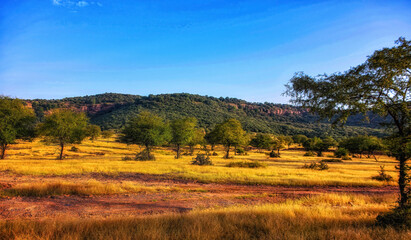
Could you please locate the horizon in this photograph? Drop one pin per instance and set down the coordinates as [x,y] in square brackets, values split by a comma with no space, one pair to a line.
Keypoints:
[248,50]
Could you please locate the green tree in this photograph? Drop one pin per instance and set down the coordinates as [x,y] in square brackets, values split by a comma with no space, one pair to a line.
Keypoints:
[16,122]
[230,133]
[93,131]
[300,139]
[262,141]
[63,127]
[146,129]
[198,138]
[278,144]
[381,85]
[107,133]
[182,132]
[212,139]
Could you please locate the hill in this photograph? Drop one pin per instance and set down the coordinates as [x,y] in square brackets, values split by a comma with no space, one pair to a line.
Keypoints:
[111,111]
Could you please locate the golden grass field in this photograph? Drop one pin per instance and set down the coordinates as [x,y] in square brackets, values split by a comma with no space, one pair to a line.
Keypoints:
[95,194]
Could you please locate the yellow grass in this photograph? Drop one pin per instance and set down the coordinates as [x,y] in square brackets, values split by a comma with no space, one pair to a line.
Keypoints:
[105,156]
[330,216]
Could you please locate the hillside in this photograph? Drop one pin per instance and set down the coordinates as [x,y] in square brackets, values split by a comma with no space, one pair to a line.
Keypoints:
[111,111]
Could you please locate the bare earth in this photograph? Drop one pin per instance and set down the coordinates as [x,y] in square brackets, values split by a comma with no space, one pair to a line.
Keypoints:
[211,195]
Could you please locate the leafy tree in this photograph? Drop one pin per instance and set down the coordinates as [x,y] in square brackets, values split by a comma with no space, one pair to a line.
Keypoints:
[16,122]
[182,132]
[262,141]
[288,140]
[212,139]
[93,131]
[278,144]
[146,129]
[381,85]
[362,144]
[198,138]
[229,133]
[300,139]
[107,133]
[63,127]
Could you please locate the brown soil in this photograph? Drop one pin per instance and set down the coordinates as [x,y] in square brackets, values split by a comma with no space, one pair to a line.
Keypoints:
[212,195]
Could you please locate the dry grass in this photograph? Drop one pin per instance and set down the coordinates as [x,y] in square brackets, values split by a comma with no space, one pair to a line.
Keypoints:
[330,216]
[38,159]
[91,187]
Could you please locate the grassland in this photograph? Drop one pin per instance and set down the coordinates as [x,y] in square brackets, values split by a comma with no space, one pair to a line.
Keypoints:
[94,194]
[105,156]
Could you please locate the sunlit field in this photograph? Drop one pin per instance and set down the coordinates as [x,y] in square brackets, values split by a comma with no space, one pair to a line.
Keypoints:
[106,157]
[95,194]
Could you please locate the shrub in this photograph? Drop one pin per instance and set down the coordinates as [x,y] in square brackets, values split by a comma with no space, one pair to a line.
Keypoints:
[201,160]
[316,166]
[254,164]
[331,160]
[74,149]
[309,154]
[241,151]
[346,158]
[215,154]
[382,176]
[398,218]
[145,156]
[341,152]
[274,155]
[126,158]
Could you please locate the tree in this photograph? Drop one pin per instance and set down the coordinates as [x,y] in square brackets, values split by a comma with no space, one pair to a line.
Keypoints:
[212,139]
[278,144]
[262,141]
[146,129]
[300,139]
[107,133]
[16,122]
[229,133]
[63,127]
[198,138]
[182,132]
[93,131]
[381,85]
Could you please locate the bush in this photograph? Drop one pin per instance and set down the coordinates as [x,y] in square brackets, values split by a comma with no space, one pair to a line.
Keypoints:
[254,164]
[309,154]
[317,166]
[144,156]
[331,160]
[74,149]
[341,152]
[107,133]
[398,218]
[201,160]
[382,176]
[215,154]
[274,155]
[241,151]
[126,158]
[346,158]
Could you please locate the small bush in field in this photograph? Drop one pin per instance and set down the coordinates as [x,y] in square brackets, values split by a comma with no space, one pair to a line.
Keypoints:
[215,154]
[346,158]
[341,152]
[241,151]
[274,155]
[331,160]
[382,176]
[127,158]
[316,166]
[144,156]
[201,160]
[254,164]
[309,154]
[74,149]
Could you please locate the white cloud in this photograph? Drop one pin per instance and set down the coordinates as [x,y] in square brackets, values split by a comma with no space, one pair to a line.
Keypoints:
[74,4]
[82,4]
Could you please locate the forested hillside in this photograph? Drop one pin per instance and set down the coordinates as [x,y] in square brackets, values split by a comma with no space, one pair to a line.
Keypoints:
[111,111]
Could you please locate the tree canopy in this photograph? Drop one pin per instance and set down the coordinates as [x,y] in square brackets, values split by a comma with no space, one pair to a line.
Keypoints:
[64,126]
[230,133]
[16,122]
[381,85]
[182,132]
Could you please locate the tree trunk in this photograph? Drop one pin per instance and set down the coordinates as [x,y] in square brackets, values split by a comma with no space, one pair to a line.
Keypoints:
[178,151]
[228,152]
[191,150]
[402,181]
[235,150]
[278,152]
[212,147]
[61,151]
[3,151]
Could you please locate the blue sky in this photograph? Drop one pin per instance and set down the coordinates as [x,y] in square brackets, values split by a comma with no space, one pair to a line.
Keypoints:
[246,49]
